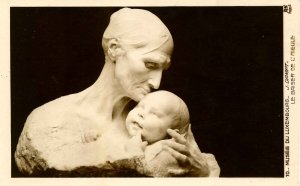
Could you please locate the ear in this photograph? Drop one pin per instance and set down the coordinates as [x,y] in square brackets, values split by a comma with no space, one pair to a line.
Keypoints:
[185,130]
[114,49]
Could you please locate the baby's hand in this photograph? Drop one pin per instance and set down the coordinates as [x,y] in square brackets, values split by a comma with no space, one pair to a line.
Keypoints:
[135,146]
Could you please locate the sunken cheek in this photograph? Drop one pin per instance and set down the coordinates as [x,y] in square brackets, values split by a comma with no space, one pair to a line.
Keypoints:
[134,75]
[137,64]
[138,77]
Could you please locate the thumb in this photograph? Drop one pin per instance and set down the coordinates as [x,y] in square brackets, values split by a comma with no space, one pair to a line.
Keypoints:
[191,140]
[138,135]
[137,138]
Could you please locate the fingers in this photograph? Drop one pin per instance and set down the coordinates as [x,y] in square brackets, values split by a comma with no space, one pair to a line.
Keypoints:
[177,147]
[179,138]
[177,172]
[137,141]
[189,135]
[181,158]
[192,142]
[137,137]
[135,146]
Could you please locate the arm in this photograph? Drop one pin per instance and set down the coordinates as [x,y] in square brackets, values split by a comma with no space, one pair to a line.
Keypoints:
[28,158]
[192,161]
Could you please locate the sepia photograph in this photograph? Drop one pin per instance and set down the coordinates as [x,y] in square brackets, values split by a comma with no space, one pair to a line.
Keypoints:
[138,91]
[224,62]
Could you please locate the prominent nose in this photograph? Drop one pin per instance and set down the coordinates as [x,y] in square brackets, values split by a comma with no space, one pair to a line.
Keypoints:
[155,79]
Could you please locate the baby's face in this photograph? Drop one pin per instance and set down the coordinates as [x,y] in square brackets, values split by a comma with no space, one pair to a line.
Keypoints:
[152,117]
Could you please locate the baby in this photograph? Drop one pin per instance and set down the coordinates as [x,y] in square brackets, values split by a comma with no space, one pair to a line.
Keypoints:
[149,121]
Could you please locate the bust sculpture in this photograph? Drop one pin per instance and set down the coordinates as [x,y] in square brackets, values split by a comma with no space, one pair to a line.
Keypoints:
[83,134]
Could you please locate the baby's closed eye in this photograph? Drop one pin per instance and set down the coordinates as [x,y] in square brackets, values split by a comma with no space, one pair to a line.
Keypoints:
[157,114]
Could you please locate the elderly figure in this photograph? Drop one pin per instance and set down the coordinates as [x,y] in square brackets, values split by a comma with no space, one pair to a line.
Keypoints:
[88,128]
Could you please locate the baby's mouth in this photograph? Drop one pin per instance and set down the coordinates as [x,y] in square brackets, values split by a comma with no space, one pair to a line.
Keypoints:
[135,123]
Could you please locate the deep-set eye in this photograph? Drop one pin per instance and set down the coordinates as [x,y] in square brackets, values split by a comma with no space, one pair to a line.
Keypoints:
[151,65]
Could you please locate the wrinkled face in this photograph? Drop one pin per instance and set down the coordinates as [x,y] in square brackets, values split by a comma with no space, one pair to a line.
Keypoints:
[138,70]
[152,117]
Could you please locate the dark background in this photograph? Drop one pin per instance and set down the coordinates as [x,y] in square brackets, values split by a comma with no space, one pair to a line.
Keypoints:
[227,66]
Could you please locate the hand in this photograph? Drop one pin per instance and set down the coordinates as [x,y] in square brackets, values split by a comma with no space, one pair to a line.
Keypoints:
[135,146]
[214,169]
[189,156]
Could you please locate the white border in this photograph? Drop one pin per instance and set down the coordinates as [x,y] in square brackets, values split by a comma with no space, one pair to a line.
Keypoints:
[291,27]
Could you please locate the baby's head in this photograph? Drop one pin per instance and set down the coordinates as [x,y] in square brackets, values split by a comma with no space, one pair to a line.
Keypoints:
[157,112]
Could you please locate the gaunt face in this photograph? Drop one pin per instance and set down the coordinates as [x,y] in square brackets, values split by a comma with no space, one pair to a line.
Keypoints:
[139,70]
[153,115]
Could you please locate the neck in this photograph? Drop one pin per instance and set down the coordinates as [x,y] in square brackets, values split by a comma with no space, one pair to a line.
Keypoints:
[105,97]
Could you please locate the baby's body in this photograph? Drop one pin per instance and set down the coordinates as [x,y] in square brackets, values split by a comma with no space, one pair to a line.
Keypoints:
[148,122]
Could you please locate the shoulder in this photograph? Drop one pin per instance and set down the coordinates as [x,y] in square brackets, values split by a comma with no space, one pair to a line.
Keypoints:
[43,133]
[50,118]
[53,110]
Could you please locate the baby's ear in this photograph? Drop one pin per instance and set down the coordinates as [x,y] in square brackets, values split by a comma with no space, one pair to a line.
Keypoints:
[184,130]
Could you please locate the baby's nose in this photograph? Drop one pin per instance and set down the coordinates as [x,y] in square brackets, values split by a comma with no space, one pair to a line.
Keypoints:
[140,115]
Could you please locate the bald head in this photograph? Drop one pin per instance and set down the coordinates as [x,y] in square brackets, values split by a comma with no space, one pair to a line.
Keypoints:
[136,28]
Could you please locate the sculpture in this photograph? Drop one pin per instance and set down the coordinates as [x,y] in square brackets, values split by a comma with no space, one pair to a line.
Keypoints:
[73,135]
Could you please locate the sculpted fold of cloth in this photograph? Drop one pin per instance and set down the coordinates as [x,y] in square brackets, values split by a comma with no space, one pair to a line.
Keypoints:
[84,134]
